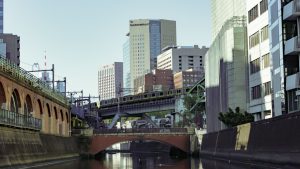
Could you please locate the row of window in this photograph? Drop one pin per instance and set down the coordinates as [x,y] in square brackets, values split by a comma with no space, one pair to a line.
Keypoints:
[255,39]
[253,13]
[257,91]
[255,64]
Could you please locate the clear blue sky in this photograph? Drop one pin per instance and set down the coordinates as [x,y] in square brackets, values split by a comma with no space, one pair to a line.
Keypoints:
[82,35]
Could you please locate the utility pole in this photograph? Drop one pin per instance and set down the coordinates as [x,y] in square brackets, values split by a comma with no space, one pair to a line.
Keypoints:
[46,70]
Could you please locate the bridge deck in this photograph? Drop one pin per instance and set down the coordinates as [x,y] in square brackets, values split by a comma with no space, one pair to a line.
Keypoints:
[142,130]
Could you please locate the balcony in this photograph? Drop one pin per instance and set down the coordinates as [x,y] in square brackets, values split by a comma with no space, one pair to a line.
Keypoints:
[291,10]
[292,81]
[291,46]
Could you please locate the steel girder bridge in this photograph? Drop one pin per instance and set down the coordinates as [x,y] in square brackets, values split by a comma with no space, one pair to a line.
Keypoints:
[140,104]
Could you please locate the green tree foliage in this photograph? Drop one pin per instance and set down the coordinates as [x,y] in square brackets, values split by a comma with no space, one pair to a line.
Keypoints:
[192,109]
[231,118]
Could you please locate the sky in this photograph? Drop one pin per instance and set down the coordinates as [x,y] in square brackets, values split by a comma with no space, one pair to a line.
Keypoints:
[80,36]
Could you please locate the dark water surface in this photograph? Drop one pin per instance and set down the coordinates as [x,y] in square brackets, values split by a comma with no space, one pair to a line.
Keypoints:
[152,161]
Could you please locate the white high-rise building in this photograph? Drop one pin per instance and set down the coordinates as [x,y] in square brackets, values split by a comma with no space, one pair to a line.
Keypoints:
[259,58]
[181,58]
[146,40]
[226,62]
[110,80]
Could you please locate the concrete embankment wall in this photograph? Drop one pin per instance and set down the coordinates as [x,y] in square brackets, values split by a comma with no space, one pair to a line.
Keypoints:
[18,147]
[274,140]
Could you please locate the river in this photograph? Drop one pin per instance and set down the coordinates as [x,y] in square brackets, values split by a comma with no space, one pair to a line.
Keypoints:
[152,161]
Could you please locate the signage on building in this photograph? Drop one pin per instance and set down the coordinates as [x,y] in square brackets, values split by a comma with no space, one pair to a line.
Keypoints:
[157,88]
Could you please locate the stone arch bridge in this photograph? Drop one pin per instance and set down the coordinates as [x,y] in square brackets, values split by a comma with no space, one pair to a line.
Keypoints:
[177,137]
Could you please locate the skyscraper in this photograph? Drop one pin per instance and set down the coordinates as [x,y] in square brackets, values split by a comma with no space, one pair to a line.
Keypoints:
[226,68]
[126,68]
[146,40]
[110,80]
[12,47]
[1,16]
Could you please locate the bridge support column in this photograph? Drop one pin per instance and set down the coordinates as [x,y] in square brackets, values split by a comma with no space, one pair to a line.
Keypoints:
[194,145]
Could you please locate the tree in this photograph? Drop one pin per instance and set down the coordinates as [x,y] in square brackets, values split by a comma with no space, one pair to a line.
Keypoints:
[231,118]
[193,108]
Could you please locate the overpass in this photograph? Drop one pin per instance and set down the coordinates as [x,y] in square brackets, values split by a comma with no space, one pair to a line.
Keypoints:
[138,105]
[177,137]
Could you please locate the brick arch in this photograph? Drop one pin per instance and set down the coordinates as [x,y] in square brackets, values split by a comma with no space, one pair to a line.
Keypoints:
[55,112]
[15,101]
[61,115]
[28,108]
[101,142]
[40,112]
[2,97]
[48,110]
[67,117]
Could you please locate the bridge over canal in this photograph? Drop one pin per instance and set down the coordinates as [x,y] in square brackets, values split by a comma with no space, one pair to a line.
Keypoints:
[177,137]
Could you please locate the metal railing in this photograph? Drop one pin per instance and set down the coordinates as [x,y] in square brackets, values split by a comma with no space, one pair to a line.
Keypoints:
[141,130]
[13,119]
[21,75]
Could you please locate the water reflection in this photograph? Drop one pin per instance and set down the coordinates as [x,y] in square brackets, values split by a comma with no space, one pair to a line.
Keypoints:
[153,161]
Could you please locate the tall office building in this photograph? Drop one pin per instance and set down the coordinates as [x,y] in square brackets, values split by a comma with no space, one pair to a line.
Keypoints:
[110,81]
[146,40]
[1,16]
[181,58]
[12,47]
[126,69]
[226,68]
[260,100]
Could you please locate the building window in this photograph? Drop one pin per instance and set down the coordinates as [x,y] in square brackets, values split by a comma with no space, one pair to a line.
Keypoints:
[264,33]
[254,66]
[267,88]
[263,6]
[266,61]
[254,40]
[253,13]
[256,92]
[292,100]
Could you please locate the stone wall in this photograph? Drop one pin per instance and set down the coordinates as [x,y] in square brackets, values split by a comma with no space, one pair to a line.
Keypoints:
[275,140]
[19,147]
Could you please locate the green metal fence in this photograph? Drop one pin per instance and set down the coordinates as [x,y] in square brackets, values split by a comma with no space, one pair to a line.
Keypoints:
[34,83]
[19,120]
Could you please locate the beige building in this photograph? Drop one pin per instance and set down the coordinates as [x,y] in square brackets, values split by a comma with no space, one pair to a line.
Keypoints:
[157,80]
[146,40]
[187,78]
[110,80]
[181,58]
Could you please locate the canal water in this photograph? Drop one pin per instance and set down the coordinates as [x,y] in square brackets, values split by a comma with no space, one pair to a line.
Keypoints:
[152,161]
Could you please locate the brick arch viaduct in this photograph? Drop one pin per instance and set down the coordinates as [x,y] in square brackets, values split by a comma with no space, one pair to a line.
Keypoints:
[101,142]
[19,98]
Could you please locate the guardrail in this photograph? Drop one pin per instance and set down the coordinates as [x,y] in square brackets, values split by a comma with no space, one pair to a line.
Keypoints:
[141,130]
[20,74]
[13,119]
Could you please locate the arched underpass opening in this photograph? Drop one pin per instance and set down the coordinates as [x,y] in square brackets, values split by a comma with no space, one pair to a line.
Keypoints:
[2,97]
[141,147]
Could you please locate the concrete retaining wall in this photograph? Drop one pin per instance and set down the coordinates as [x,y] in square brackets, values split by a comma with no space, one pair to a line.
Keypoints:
[274,140]
[19,147]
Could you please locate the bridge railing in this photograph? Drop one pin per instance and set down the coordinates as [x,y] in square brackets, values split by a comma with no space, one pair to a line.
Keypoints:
[141,130]
[8,118]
